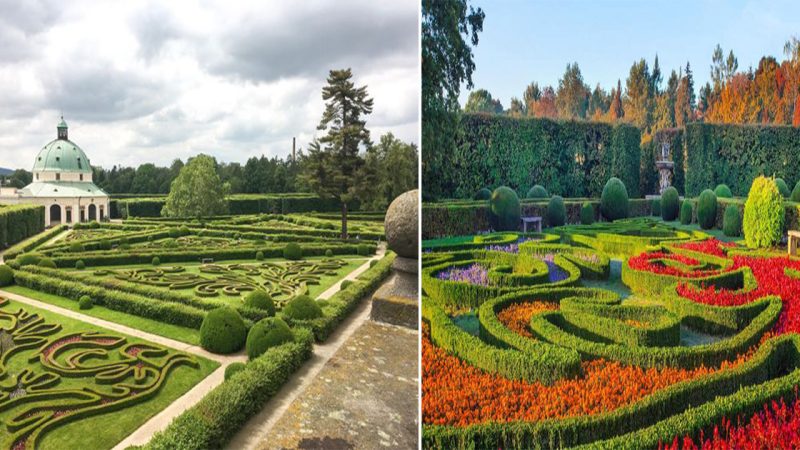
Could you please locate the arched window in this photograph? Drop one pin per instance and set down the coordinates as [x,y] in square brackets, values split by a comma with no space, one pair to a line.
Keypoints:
[58,177]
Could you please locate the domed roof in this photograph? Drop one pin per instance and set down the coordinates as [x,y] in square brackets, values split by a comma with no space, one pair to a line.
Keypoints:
[62,155]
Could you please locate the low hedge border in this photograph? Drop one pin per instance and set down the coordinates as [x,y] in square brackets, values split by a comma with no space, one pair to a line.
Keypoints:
[33,242]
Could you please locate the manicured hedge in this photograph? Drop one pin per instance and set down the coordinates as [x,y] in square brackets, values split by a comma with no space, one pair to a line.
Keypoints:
[240,204]
[18,222]
[33,242]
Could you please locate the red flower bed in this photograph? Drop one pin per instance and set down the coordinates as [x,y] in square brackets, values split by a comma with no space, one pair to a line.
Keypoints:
[709,246]
[648,262]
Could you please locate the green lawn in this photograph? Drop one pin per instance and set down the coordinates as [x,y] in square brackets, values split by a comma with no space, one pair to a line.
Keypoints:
[694,227]
[98,430]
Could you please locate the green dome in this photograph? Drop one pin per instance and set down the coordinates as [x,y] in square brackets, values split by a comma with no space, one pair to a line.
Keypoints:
[62,155]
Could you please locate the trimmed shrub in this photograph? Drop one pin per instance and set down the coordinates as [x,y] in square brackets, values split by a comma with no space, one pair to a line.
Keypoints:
[783,188]
[587,214]
[723,191]
[85,302]
[328,253]
[76,247]
[655,207]
[707,209]
[265,334]
[763,214]
[483,194]
[233,369]
[46,262]
[614,200]
[28,259]
[732,221]
[260,300]
[223,331]
[795,193]
[156,261]
[6,275]
[686,212]
[537,191]
[105,244]
[345,284]
[505,209]
[556,211]
[364,249]
[669,204]
[373,262]
[174,233]
[259,255]
[80,265]
[293,251]
[302,307]
[183,230]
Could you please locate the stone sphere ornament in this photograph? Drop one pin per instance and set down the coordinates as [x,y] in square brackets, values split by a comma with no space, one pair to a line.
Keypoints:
[402,224]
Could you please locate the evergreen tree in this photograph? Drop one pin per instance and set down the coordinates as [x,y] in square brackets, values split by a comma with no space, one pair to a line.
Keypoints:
[481,101]
[637,100]
[615,110]
[197,191]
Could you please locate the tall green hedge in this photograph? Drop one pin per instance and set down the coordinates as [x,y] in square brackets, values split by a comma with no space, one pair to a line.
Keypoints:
[19,222]
[573,159]
[238,204]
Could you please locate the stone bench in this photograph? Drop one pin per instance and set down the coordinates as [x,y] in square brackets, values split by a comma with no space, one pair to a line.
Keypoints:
[531,220]
[794,240]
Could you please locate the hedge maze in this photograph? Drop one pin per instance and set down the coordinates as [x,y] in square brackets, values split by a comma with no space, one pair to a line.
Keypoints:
[628,334]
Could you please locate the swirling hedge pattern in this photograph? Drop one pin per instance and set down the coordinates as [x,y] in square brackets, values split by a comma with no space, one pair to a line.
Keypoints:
[113,374]
[706,338]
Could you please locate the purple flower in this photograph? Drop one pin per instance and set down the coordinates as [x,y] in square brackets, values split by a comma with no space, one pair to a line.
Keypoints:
[473,274]
[510,248]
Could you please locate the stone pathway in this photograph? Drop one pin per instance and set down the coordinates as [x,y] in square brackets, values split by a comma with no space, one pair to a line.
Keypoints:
[328,293]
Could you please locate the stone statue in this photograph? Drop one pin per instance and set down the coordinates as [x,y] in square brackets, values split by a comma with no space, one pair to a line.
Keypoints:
[664,166]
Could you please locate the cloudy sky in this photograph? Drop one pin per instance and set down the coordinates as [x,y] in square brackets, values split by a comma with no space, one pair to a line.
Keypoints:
[154,81]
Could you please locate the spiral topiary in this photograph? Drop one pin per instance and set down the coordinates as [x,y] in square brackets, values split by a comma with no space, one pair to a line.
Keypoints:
[614,200]
[302,307]
[764,214]
[686,212]
[46,262]
[587,213]
[556,211]
[223,331]
[655,207]
[707,209]
[80,265]
[783,188]
[267,333]
[537,191]
[669,204]
[85,302]
[732,221]
[505,209]
[260,300]
[483,194]
[723,191]
[6,275]
[234,368]
[796,193]
[293,251]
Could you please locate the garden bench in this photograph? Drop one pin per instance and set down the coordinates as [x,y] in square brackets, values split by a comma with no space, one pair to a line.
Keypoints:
[794,240]
[207,260]
[531,220]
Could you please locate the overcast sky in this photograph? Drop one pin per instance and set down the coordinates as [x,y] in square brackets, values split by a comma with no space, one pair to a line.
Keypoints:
[154,81]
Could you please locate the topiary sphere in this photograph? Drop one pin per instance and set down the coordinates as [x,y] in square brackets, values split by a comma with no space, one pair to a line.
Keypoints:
[556,211]
[233,369]
[723,191]
[223,331]
[614,200]
[587,213]
[783,188]
[655,207]
[505,209]
[85,302]
[265,334]
[79,264]
[46,262]
[763,214]
[293,251]
[482,194]
[732,221]
[328,253]
[796,193]
[669,204]
[707,209]
[259,255]
[401,224]
[302,307]
[537,191]
[260,300]
[686,212]
[28,259]
[156,261]
[6,275]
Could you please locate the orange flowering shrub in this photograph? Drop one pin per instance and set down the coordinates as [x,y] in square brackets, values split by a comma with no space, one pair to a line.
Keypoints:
[517,316]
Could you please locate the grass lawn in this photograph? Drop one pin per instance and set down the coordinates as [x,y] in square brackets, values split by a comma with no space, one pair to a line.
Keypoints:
[102,430]
[182,334]
[695,227]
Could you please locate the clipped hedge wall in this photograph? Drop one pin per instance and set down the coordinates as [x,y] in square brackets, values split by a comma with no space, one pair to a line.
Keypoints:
[19,222]
[238,204]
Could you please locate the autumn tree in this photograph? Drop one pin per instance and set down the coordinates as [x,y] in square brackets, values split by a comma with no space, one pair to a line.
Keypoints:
[532,93]
[637,99]
[546,105]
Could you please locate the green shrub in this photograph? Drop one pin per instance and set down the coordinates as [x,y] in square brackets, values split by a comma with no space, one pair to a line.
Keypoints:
[105,244]
[556,211]
[655,207]
[373,262]
[234,368]
[76,247]
[345,284]
[46,262]
[80,265]
[156,261]
[763,214]
[293,251]
[265,334]
[483,194]
[587,213]
[328,253]
[6,275]
[686,212]
[614,200]
[85,302]
[732,221]
[783,188]
[364,249]
[174,233]
[505,209]
[302,307]
[259,255]
[723,191]
[669,204]
[707,209]
[537,191]
[28,259]
[223,331]
[796,193]
[260,300]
